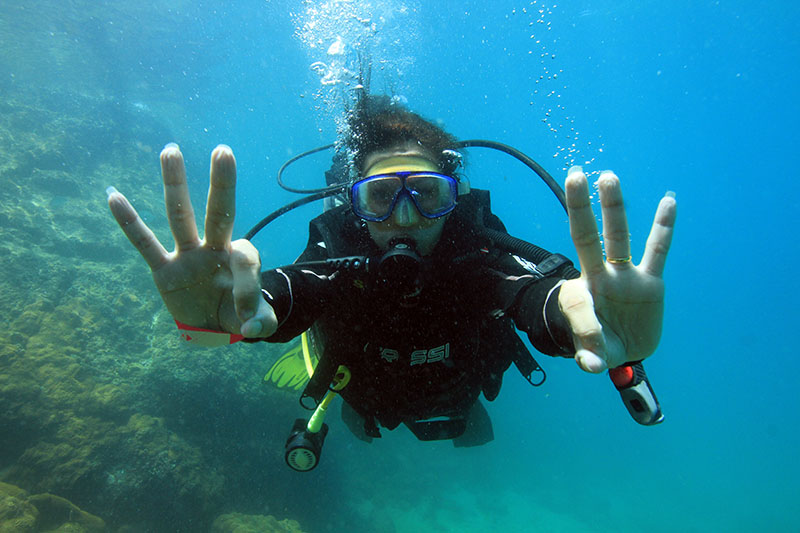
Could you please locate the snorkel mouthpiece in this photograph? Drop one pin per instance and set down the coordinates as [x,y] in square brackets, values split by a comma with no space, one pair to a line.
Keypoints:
[399,268]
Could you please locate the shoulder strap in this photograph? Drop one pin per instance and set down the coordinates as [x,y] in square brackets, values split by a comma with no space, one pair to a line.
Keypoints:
[334,233]
[501,333]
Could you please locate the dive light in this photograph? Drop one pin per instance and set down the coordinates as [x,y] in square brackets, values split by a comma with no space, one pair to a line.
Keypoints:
[637,393]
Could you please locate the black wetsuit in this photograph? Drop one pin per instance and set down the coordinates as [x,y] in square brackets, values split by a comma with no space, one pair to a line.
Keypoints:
[431,354]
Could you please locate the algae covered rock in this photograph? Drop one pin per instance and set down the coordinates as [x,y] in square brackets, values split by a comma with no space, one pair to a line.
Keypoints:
[253,523]
[57,513]
[153,468]
[21,513]
[16,513]
[101,404]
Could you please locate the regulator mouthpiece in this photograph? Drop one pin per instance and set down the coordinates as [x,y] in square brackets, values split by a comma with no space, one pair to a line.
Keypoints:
[400,267]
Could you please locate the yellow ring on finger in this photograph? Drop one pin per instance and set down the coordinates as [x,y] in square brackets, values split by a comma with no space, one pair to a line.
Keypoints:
[619,260]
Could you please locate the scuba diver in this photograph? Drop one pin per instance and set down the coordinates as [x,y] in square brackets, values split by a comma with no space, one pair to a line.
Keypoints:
[408,291]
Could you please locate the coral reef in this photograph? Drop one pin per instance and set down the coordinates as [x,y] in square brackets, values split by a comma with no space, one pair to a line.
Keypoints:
[23,513]
[242,523]
[17,514]
[101,405]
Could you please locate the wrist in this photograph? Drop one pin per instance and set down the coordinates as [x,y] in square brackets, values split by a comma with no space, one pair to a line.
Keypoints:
[206,337]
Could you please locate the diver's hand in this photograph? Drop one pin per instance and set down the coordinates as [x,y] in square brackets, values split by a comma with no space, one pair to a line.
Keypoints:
[211,283]
[615,308]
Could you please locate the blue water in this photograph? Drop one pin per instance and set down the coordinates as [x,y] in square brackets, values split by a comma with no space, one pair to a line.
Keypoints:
[695,97]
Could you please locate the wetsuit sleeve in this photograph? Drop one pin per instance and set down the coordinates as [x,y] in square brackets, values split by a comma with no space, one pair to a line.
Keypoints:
[535,311]
[298,298]
[531,300]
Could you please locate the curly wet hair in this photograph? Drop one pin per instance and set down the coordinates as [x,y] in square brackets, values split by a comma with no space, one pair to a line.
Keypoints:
[378,122]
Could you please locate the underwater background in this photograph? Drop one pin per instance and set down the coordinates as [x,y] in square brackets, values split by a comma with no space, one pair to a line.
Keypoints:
[108,423]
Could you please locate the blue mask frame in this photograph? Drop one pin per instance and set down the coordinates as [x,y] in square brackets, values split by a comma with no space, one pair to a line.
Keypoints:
[360,188]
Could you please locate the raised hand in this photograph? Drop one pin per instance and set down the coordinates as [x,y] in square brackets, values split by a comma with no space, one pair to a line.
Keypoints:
[211,283]
[616,308]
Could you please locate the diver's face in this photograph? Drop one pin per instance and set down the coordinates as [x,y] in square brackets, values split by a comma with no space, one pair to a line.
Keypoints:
[405,220]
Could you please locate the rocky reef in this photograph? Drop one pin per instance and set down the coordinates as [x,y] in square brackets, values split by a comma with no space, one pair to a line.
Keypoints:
[21,512]
[101,406]
[103,413]
[241,523]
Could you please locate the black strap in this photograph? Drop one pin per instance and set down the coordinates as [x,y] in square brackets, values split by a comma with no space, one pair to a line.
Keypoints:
[527,366]
[318,385]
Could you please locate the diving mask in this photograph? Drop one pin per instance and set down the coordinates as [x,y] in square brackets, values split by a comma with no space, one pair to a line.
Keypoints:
[375,197]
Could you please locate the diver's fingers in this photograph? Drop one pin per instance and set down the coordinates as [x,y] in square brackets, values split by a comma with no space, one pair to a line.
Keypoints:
[257,316]
[136,230]
[582,224]
[176,195]
[616,237]
[660,239]
[577,305]
[221,198]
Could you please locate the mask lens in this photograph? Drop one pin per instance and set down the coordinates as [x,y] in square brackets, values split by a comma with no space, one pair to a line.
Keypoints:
[373,198]
[434,194]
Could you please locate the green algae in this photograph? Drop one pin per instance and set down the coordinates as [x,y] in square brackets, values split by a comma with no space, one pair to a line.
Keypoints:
[102,405]
[242,523]
[24,513]
[17,514]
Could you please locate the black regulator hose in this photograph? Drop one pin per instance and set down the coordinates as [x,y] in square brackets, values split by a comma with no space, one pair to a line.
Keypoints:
[288,207]
[516,246]
[301,156]
[527,161]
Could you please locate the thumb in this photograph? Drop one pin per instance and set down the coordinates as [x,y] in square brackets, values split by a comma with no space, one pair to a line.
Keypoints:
[577,305]
[257,316]
[262,324]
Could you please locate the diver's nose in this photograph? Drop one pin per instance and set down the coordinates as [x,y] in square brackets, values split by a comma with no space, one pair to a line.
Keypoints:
[405,212]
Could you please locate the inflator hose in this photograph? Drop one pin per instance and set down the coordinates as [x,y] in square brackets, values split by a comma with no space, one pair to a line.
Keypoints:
[526,250]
